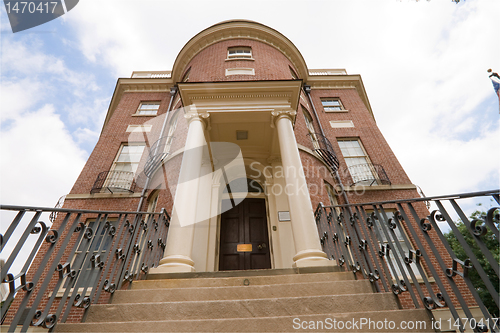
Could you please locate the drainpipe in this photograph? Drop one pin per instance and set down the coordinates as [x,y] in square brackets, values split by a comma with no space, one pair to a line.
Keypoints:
[173,92]
[307,89]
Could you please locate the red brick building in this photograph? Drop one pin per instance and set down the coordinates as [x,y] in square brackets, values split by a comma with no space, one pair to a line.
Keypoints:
[241,77]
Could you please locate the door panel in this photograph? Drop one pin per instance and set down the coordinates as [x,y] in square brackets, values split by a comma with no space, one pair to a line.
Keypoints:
[244,225]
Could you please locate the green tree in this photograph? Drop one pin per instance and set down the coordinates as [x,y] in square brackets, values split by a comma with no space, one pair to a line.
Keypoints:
[491,242]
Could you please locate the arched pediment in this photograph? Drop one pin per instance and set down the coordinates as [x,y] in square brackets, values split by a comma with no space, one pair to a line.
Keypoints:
[238,29]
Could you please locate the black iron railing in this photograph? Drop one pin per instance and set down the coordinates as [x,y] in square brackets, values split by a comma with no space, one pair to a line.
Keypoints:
[114,181]
[399,247]
[82,261]
[157,153]
[323,147]
[367,174]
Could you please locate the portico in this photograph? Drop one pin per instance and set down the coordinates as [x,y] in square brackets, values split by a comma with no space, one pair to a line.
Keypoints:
[264,111]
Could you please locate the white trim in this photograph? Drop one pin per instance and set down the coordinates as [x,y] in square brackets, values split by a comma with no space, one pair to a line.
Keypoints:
[341,123]
[139,128]
[240,71]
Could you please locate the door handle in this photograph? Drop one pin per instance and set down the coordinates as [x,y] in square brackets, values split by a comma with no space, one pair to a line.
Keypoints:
[262,246]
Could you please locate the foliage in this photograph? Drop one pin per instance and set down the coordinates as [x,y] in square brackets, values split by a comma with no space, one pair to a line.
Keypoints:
[491,242]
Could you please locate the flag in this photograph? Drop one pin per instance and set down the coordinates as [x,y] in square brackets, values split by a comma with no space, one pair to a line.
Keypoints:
[495,79]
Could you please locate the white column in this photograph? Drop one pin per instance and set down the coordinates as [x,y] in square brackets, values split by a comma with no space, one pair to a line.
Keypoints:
[178,252]
[305,232]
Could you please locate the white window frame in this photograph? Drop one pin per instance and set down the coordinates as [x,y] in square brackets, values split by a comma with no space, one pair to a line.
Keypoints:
[310,127]
[78,252]
[399,231]
[350,158]
[336,104]
[239,53]
[123,184]
[144,110]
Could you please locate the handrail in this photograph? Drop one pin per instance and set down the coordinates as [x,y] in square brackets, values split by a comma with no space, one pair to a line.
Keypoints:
[83,254]
[398,246]
[368,172]
[323,147]
[114,180]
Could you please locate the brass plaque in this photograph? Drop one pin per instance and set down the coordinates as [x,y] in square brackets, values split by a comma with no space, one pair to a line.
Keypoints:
[244,248]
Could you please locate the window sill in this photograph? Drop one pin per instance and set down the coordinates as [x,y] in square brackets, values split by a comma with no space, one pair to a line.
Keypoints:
[144,115]
[338,111]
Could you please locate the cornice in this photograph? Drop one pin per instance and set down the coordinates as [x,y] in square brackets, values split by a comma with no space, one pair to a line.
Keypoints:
[250,95]
[318,82]
[124,85]
[239,29]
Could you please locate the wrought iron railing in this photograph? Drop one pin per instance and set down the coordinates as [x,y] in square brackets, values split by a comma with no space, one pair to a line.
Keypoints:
[400,248]
[157,153]
[323,147]
[367,174]
[81,261]
[114,181]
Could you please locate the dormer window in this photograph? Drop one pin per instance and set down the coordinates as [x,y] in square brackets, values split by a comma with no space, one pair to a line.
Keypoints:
[239,52]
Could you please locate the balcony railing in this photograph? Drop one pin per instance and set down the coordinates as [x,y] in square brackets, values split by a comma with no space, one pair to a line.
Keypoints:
[400,248]
[323,147]
[114,181]
[82,261]
[367,174]
[157,154]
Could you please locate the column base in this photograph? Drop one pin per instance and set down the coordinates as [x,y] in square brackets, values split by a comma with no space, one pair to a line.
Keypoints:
[312,258]
[174,264]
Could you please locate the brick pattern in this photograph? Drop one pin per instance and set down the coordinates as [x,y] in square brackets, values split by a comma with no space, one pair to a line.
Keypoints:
[210,64]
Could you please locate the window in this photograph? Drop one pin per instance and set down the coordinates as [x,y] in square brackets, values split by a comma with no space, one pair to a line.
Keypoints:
[185,78]
[400,238]
[148,108]
[170,133]
[310,128]
[97,245]
[240,52]
[121,175]
[357,162]
[128,158]
[332,105]
[331,195]
[294,75]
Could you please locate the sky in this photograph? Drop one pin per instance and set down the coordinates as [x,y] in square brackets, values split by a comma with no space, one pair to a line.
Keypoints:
[423,63]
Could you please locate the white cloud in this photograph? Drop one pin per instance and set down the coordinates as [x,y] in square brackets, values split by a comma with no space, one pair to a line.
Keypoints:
[19,96]
[39,159]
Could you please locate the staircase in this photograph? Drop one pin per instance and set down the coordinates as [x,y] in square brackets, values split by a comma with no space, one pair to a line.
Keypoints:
[248,301]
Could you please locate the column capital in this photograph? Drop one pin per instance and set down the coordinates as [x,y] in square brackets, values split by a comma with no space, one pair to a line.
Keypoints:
[201,117]
[278,114]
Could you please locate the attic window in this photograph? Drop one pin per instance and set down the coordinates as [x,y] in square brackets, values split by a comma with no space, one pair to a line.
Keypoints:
[185,78]
[239,52]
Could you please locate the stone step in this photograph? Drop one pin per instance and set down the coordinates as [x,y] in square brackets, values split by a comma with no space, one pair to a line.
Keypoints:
[267,307]
[242,292]
[288,323]
[161,283]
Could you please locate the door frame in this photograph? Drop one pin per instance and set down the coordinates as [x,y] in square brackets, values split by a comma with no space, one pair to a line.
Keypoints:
[269,230]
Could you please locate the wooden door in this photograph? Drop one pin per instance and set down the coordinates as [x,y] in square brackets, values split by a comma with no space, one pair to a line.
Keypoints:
[244,240]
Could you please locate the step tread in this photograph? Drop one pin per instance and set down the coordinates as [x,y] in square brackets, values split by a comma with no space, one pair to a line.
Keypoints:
[316,288]
[240,308]
[261,324]
[241,280]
